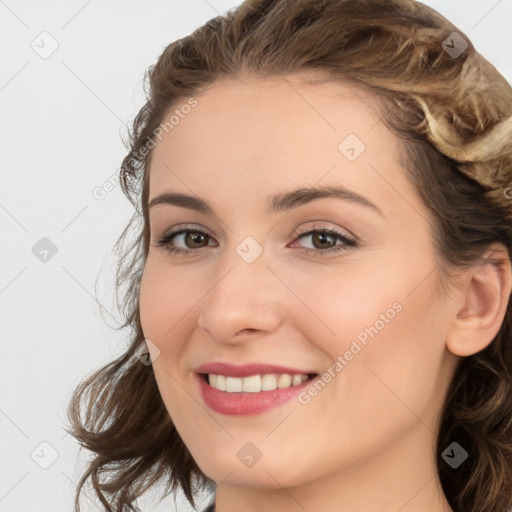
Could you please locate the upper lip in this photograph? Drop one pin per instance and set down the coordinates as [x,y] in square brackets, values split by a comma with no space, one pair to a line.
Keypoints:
[245,370]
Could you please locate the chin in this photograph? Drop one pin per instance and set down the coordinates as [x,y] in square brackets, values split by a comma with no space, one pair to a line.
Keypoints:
[265,473]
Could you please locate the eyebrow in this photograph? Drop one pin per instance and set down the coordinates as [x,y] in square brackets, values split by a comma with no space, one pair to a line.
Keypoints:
[276,203]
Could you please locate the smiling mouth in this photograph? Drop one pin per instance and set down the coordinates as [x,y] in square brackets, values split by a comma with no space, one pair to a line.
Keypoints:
[255,383]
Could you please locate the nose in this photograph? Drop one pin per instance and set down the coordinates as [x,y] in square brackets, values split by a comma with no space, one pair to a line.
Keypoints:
[245,299]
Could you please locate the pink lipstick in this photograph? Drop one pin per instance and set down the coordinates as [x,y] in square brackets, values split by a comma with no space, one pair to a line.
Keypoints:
[250,388]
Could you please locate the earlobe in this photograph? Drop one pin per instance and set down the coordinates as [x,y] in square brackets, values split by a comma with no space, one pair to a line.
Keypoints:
[486,293]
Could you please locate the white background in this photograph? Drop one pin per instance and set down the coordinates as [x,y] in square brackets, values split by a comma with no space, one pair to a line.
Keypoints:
[62,119]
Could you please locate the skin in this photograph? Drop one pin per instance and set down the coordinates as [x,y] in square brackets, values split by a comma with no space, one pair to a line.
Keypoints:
[367,440]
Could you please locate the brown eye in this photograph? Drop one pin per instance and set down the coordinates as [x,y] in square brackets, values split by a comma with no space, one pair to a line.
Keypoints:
[323,241]
[192,238]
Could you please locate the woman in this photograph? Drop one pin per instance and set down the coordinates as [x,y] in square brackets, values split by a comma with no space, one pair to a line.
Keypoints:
[319,290]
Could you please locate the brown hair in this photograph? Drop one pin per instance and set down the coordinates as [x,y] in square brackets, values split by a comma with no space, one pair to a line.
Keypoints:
[453,115]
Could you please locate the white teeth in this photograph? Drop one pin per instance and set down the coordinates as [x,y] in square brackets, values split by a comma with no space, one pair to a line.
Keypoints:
[251,384]
[284,381]
[297,379]
[268,382]
[255,383]
[220,383]
[233,385]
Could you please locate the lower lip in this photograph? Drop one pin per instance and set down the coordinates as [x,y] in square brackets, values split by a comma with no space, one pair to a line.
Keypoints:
[245,404]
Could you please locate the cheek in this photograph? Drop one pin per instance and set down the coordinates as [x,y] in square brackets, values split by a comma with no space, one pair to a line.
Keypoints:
[352,302]
[164,301]
[387,324]
[397,375]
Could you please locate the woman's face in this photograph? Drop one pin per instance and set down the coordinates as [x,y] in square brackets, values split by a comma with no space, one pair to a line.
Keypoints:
[257,295]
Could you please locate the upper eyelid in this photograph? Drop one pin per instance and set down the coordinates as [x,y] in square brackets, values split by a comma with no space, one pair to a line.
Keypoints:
[186,227]
[317,226]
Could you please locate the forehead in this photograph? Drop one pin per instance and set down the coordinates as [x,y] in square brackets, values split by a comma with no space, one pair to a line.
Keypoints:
[263,108]
[272,132]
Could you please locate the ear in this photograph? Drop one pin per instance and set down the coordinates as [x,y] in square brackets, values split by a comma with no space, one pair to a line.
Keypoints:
[484,296]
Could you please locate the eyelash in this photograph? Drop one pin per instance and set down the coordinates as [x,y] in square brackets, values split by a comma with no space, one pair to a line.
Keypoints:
[348,243]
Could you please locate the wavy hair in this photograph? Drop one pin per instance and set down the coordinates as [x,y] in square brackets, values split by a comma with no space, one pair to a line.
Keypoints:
[452,112]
